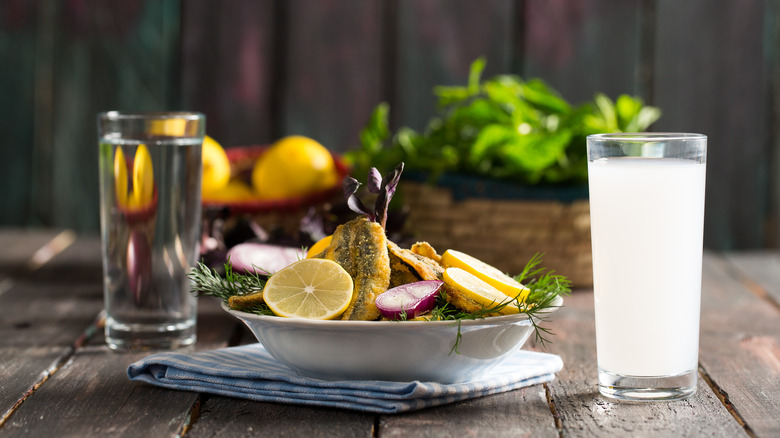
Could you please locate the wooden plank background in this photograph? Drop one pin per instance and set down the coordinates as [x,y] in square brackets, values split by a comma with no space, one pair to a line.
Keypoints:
[266,68]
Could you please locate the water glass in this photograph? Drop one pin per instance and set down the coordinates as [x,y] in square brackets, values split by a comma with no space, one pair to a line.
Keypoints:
[647,219]
[150,211]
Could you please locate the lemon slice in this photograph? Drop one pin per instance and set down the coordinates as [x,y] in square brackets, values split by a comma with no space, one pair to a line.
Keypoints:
[309,288]
[487,273]
[472,294]
[143,177]
[120,178]
[319,246]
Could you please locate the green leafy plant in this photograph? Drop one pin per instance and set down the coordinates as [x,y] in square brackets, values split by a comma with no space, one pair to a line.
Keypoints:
[504,128]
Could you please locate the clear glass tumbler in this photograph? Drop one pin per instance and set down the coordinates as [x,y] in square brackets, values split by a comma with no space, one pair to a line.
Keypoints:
[150,211]
[647,220]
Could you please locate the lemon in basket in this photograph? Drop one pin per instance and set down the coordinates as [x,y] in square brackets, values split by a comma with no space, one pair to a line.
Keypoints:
[293,166]
[309,288]
[216,167]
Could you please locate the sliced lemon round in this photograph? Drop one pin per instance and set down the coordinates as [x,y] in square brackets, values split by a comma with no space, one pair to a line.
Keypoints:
[143,177]
[487,273]
[120,178]
[319,246]
[309,288]
[472,294]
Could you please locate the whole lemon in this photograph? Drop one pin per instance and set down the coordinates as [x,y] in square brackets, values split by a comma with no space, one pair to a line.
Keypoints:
[216,167]
[293,166]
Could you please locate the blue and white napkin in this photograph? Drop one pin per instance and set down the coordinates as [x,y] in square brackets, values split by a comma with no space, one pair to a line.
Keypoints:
[250,372]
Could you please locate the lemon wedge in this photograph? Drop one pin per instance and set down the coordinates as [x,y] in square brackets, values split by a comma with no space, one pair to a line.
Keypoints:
[319,246]
[485,272]
[143,177]
[472,294]
[120,178]
[309,288]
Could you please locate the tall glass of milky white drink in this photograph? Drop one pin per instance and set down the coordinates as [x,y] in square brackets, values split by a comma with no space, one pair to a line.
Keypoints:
[150,211]
[647,218]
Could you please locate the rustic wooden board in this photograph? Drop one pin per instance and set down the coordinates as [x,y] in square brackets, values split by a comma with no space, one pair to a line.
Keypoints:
[18,248]
[704,83]
[92,388]
[584,412]
[523,412]
[43,316]
[229,69]
[760,272]
[436,42]
[573,46]
[331,69]
[741,355]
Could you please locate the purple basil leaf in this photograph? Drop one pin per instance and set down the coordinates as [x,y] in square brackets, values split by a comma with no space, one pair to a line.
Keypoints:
[350,187]
[389,184]
[374,180]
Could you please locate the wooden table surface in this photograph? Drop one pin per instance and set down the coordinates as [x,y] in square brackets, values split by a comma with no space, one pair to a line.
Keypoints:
[57,377]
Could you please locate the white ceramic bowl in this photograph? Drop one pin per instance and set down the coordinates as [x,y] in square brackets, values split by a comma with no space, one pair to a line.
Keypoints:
[390,350]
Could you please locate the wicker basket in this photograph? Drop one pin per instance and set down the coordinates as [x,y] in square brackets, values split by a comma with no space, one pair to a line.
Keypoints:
[505,233]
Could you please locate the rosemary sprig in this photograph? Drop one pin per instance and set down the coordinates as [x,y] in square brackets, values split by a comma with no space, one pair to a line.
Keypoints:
[207,281]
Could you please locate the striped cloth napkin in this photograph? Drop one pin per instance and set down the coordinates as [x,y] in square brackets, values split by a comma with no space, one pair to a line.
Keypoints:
[250,372]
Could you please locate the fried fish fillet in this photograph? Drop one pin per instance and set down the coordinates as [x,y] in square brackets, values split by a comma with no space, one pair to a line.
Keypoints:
[360,247]
[426,268]
[426,250]
[401,272]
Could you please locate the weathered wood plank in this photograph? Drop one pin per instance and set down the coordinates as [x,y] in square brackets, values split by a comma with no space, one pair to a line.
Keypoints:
[90,392]
[331,69]
[42,318]
[228,69]
[760,269]
[740,353]
[520,413]
[709,78]
[573,46]
[437,41]
[18,248]
[584,412]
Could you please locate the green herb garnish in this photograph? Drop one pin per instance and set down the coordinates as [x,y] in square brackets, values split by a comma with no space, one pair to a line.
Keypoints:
[503,128]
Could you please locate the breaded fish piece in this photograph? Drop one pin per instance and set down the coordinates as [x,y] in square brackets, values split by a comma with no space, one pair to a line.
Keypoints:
[426,250]
[401,272]
[360,247]
[426,268]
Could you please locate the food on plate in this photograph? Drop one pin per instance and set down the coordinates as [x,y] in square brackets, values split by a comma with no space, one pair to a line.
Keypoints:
[293,166]
[360,246]
[387,281]
[470,293]
[319,246]
[216,169]
[262,258]
[485,272]
[408,301]
[310,288]
[234,191]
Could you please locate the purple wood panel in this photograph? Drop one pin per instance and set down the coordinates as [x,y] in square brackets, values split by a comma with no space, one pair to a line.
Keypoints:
[437,40]
[710,78]
[582,47]
[228,67]
[332,71]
